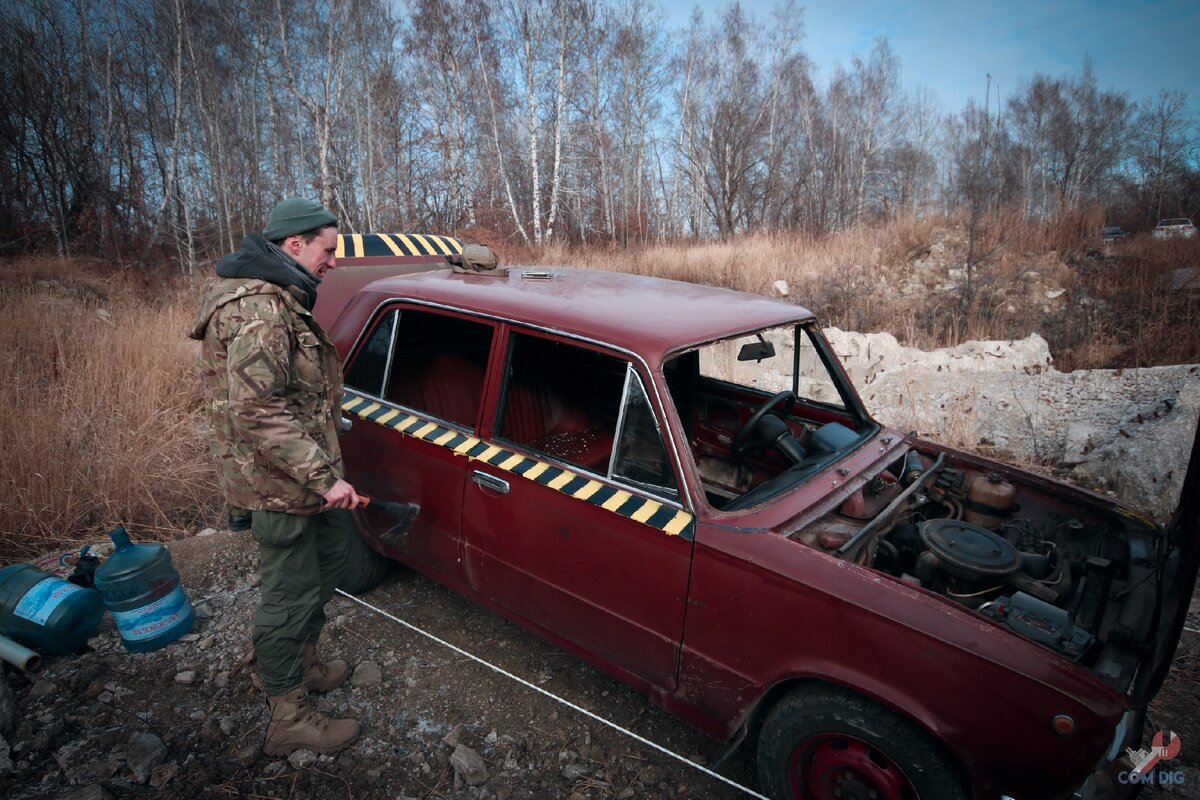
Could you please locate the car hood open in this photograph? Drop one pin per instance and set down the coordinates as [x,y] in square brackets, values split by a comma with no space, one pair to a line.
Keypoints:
[1179,581]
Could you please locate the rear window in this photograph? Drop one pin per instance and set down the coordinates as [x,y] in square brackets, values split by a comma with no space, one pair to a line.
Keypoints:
[430,362]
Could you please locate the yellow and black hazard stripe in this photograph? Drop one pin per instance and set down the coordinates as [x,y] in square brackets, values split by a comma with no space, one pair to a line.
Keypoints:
[365,245]
[659,516]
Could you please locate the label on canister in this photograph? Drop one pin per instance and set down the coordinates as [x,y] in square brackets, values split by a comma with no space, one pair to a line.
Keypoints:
[151,620]
[42,598]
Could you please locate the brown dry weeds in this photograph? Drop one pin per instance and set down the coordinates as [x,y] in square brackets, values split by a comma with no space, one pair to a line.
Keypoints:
[101,399]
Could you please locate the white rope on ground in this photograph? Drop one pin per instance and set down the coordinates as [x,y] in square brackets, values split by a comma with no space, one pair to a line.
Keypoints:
[555,697]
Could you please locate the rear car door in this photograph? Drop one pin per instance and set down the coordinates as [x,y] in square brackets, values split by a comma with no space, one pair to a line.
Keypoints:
[572,516]
[415,388]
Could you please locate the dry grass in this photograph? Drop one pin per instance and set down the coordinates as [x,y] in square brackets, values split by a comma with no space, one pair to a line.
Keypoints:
[845,277]
[906,277]
[102,421]
[1143,307]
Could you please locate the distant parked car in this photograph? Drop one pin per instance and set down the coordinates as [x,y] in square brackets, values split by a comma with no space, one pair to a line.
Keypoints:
[1179,226]
[1114,233]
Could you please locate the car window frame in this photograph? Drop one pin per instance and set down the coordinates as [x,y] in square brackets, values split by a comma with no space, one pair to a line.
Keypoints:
[868,426]
[497,382]
[398,304]
[688,482]
[631,375]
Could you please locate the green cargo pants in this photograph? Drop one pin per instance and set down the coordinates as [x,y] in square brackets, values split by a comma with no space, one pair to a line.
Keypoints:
[301,561]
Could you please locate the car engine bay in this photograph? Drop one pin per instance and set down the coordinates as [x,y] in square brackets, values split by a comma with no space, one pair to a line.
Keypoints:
[1080,580]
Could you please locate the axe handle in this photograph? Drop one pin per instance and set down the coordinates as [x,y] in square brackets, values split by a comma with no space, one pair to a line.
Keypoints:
[383,505]
[364,502]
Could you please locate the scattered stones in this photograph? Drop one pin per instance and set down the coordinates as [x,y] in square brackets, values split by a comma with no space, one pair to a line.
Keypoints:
[576,770]
[164,774]
[188,676]
[367,674]
[454,736]
[143,753]
[469,765]
[211,731]
[43,688]
[650,775]
[302,759]
[246,755]
[6,763]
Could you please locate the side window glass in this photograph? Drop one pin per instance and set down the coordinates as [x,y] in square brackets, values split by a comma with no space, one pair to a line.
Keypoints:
[641,457]
[367,373]
[813,379]
[437,365]
[562,400]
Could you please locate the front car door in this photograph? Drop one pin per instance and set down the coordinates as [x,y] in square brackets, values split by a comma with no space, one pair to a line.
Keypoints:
[572,517]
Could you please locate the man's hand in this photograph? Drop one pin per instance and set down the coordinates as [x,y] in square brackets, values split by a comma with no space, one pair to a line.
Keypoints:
[342,495]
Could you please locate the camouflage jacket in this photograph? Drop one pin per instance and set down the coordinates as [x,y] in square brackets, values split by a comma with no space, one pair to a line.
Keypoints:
[273,388]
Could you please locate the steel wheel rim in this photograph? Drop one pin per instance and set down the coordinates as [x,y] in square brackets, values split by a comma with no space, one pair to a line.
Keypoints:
[835,766]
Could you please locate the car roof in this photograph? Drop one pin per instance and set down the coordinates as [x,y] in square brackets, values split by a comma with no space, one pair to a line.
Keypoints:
[648,316]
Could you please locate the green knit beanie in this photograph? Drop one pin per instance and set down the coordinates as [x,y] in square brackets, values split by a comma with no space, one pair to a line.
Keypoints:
[296,215]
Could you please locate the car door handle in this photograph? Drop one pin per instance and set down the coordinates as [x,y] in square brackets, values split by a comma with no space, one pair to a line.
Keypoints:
[490,482]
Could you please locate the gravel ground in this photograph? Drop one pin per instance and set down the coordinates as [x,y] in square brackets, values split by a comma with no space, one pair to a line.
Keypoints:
[184,722]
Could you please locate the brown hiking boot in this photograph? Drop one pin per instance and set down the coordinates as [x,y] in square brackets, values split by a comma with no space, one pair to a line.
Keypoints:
[295,725]
[321,676]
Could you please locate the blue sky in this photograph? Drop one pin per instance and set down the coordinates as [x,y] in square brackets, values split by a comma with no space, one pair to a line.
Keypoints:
[1137,46]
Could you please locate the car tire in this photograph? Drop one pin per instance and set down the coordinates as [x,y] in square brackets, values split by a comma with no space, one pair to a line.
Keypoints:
[364,567]
[823,743]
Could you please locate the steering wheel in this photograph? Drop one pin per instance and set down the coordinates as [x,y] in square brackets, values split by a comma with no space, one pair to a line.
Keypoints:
[746,439]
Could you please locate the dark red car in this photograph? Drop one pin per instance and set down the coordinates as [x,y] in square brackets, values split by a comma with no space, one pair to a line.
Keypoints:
[679,485]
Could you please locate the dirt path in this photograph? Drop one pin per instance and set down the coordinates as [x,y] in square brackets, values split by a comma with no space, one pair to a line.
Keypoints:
[180,722]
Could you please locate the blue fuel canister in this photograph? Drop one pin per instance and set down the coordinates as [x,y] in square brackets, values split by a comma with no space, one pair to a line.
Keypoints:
[143,591]
[45,612]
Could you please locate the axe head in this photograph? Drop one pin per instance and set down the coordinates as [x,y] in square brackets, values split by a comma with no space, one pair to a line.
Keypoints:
[402,515]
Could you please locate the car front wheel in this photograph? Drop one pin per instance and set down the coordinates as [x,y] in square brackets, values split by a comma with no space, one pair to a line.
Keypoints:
[824,743]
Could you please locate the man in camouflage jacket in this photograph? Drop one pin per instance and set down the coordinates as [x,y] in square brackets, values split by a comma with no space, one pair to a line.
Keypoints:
[273,386]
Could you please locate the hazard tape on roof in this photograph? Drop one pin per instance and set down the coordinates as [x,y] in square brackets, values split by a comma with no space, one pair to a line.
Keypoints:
[367,245]
[660,516]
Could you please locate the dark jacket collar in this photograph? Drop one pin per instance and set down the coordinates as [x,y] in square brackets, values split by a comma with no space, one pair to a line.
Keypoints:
[260,259]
